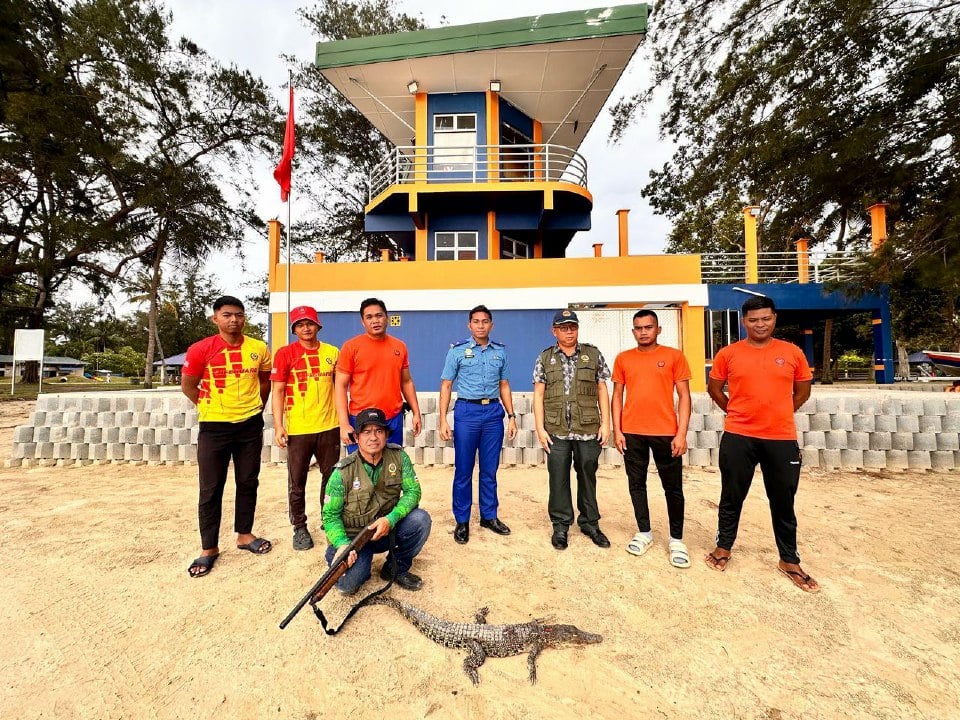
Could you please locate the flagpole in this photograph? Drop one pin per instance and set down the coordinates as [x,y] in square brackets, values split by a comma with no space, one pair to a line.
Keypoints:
[289,225]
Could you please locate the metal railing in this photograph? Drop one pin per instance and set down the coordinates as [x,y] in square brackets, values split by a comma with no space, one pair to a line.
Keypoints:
[409,164]
[780,267]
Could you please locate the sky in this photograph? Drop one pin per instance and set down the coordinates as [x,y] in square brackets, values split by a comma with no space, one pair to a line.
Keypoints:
[252,34]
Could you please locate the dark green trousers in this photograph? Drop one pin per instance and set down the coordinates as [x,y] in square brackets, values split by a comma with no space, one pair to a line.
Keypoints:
[585,456]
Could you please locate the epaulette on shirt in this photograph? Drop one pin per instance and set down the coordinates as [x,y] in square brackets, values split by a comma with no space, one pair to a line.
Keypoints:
[394,446]
[496,343]
[458,344]
[349,459]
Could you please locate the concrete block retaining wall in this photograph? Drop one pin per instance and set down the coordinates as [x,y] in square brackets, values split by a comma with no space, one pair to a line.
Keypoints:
[850,429]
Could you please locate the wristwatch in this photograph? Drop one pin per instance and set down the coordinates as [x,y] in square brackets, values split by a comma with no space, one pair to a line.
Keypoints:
[511,416]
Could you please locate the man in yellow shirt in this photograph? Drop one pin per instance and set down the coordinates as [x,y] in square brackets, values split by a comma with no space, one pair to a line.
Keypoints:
[227,376]
[305,418]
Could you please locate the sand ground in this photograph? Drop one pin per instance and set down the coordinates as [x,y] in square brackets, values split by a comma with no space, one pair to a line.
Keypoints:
[100,620]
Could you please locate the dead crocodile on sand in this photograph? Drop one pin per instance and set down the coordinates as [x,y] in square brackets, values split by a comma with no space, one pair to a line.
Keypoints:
[483,640]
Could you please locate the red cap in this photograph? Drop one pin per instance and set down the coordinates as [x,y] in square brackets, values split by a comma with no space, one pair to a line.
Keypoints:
[304,312]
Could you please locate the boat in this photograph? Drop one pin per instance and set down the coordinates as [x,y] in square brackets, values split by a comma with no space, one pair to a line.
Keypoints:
[948,362]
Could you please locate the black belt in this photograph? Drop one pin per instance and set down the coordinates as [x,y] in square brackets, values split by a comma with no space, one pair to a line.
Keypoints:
[479,401]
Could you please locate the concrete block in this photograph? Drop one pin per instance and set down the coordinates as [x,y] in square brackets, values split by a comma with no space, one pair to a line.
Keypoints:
[533,456]
[851,458]
[691,438]
[124,418]
[182,436]
[128,434]
[944,441]
[528,422]
[858,440]
[897,460]
[61,450]
[696,423]
[912,406]
[47,403]
[919,460]
[105,419]
[836,439]
[158,420]
[820,421]
[177,419]
[23,433]
[934,406]
[708,439]
[850,404]
[942,460]
[713,421]
[265,453]
[278,454]
[511,456]
[951,422]
[802,422]
[827,404]
[151,453]
[146,435]
[881,441]
[612,456]
[830,459]
[93,435]
[715,457]
[76,434]
[111,434]
[430,455]
[188,453]
[841,421]
[29,450]
[133,453]
[874,459]
[415,454]
[37,419]
[885,423]
[699,457]
[115,451]
[815,440]
[71,417]
[426,438]
[431,421]
[58,433]
[407,438]
[890,405]
[427,404]
[98,451]
[44,450]
[522,404]
[809,407]
[901,441]
[448,454]
[908,423]
[810,457]
[164,436]
[88,418]
[702,404]
[79,451]
[931,423]
[864,423]
[54,418]
[42,434]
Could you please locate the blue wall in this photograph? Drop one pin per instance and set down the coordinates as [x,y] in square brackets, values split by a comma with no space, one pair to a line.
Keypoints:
[473,222]
[429,334]
[513,117]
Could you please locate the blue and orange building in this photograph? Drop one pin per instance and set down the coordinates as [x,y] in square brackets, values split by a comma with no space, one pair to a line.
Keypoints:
[484,189]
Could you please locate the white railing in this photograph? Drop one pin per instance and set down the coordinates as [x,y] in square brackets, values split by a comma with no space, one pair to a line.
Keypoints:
[780,267]
[409,164]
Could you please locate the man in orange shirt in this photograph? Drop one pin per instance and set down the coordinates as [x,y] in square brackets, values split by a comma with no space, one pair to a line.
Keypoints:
[767,381]
[375,369]
[304,414]
[648,423]
[227,376]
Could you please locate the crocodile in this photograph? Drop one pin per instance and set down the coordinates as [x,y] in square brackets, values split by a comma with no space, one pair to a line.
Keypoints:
[483,640]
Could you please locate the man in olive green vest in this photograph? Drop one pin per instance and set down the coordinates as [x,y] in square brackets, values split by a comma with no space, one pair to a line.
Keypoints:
[375,487]
[571,407]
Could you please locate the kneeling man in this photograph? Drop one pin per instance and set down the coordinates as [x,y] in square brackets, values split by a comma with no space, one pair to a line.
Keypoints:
[375,487]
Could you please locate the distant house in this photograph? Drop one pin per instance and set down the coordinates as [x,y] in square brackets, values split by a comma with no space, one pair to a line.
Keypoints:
[52,367]
[173,364]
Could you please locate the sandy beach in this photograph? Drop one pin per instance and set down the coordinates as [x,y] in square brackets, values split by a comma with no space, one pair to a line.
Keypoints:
[100,620]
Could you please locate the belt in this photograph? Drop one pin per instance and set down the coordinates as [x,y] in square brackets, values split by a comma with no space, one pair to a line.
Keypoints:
[479,401]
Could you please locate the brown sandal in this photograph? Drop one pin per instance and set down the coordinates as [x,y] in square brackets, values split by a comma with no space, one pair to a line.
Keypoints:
[801,580]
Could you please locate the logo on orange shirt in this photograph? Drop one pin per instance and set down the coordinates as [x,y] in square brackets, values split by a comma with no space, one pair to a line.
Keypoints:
[779,361]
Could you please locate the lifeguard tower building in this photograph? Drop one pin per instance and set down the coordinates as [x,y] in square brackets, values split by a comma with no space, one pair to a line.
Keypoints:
[484,189]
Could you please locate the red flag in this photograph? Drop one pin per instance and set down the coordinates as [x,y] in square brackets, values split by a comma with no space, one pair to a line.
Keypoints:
[282,172]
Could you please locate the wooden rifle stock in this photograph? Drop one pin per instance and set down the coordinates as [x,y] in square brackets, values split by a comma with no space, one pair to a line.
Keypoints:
[330,577]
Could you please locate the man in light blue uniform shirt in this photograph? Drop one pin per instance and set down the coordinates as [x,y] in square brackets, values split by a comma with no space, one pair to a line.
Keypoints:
[479,368]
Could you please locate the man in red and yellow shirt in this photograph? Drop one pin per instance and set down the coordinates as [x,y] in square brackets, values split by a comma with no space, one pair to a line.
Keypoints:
[227,376]
[304,414]
[650,373]
[375,369]
[767,381]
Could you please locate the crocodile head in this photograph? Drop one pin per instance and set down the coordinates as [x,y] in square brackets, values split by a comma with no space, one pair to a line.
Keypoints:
[568,635]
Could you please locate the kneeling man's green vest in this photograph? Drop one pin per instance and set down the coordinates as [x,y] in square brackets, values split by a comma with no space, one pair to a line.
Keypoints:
[364,502]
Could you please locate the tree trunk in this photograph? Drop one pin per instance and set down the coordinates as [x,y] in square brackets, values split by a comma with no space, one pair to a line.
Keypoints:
[154,291]
[826,371]
[903,362]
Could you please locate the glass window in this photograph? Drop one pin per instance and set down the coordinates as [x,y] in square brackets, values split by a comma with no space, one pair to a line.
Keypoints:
[455,246]
[512,249]
[455,141]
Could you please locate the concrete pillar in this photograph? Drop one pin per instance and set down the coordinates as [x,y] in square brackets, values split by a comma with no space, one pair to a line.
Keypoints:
[622,232]
[750,244]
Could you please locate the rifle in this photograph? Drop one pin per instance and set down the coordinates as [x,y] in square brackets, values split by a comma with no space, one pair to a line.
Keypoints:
[330,577]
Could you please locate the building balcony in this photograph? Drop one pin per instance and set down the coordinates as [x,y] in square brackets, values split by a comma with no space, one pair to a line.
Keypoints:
[781,267]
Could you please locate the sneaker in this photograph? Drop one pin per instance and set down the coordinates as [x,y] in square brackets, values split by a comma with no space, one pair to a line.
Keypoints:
[302,539]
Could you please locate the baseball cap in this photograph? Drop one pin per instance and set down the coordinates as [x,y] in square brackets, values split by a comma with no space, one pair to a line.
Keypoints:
[371,416]
[564,317]
[304,312]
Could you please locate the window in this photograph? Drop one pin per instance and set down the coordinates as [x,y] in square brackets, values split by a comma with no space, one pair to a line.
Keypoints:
[722,329]
[513,249]
[515,162]
[455,246]
[455,141]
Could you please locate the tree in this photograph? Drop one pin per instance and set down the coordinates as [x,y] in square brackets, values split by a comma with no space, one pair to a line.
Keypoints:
[338,146]
[813,110]
[109,135]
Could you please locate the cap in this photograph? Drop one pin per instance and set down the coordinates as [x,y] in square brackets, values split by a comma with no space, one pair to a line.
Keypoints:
[304,312]
[564,317]
[371,416]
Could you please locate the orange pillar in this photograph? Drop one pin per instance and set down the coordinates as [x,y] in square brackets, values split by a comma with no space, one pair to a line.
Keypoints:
[878,225]
[597,249]
[803,260]
[751,246]
[273,235]
[622,232]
